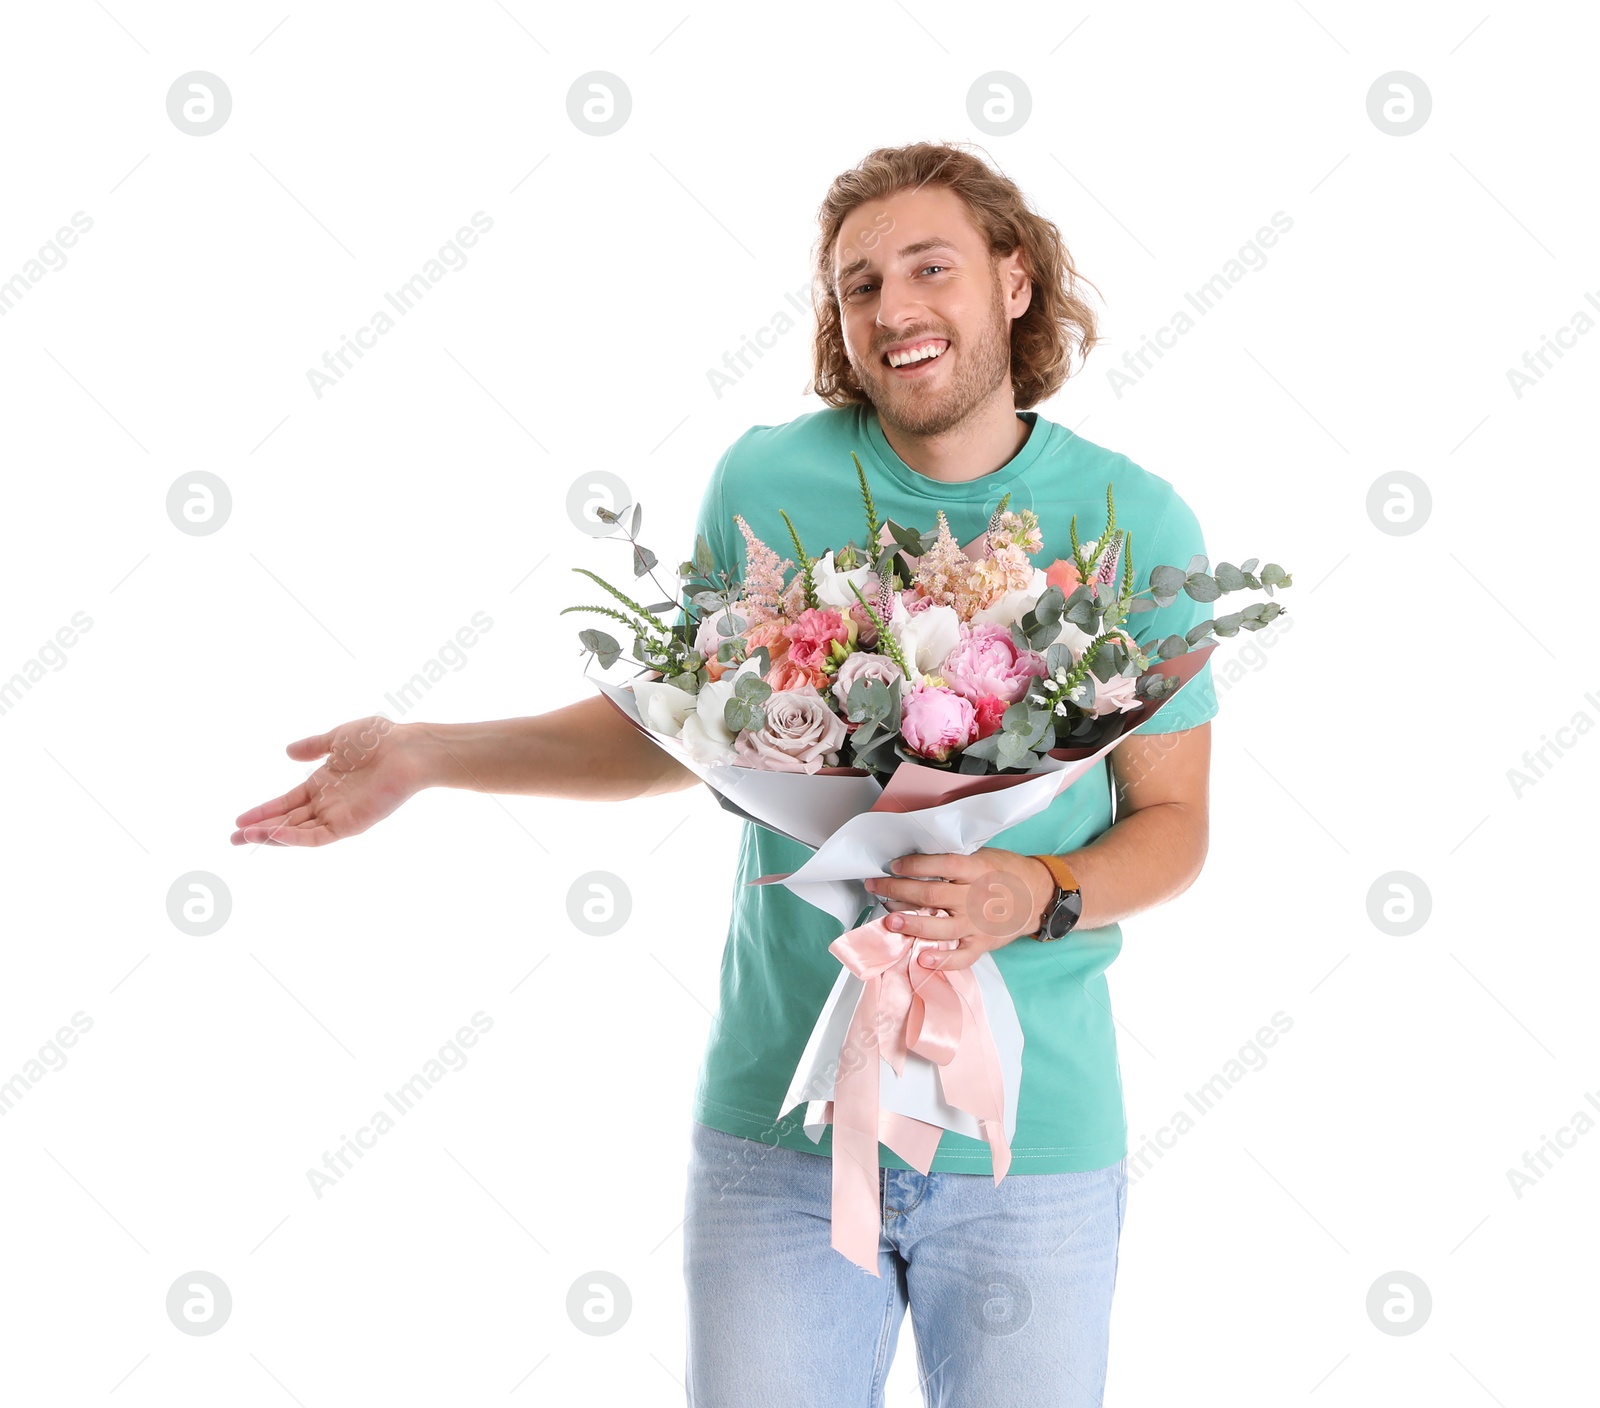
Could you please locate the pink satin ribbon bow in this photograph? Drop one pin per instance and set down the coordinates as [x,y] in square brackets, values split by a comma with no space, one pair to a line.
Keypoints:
[936,1014]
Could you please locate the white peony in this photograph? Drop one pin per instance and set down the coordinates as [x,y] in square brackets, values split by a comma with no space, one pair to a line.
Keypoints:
[925,637]
[832,585]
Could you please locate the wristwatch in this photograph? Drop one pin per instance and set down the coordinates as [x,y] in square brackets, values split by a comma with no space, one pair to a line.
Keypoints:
[1064,907]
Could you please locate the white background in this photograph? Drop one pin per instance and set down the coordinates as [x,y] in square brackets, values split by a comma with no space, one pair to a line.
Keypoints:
[368,525]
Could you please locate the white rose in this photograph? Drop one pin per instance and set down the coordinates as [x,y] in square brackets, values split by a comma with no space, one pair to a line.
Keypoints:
[925,637]
[1013,606]
[662,706]
[832,585]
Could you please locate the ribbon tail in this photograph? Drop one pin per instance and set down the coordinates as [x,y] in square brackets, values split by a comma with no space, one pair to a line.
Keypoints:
[855,1208]
[914,1140]
[971,1079]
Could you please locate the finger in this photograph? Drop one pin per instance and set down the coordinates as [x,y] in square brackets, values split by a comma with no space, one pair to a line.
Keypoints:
[298,797]
[302,835]
[968,952]
[933,865]
[928,894]
[926,926]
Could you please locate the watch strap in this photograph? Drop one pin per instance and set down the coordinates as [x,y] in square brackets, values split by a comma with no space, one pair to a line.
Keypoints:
[1066,883]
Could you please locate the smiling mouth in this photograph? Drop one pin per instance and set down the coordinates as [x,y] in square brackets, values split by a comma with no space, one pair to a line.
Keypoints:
[918,358]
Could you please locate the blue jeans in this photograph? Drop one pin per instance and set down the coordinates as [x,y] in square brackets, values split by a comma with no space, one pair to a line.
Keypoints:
[1009,1287]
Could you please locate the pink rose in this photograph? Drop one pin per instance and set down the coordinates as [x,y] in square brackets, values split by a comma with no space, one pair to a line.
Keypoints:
[864,664]
[1118,695]
[785,674]
[709,637]
[990,711]
[934,720]
[1063,573]
[986,661]
[1115,696]
[914,600]
[812,632]
[801,734]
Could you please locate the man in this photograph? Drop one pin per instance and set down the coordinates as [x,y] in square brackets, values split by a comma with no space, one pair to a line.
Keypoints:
[945,309]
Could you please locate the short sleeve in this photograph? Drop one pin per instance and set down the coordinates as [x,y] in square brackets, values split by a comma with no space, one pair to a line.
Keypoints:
[1176,540]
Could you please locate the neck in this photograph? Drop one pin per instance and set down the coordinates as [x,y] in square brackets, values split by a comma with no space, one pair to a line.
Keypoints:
[985,441]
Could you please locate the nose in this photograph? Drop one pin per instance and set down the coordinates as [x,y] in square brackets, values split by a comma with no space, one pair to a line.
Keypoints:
[899,307]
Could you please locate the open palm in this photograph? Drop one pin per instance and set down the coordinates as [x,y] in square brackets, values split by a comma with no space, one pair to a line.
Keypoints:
[368,773]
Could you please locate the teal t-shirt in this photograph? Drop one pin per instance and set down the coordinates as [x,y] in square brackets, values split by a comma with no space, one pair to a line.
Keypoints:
[776,968]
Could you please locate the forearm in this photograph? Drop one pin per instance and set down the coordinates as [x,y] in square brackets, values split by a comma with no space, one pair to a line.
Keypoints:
[1147,858]
[585,750]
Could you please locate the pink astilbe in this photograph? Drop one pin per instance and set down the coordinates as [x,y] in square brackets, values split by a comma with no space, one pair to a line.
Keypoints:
[763,577]
[945,575]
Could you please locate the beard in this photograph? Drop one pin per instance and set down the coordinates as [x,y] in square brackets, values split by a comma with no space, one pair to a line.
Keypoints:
[922,409]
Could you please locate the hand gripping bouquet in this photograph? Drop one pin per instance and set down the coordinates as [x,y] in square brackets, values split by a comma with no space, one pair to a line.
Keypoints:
[908,695]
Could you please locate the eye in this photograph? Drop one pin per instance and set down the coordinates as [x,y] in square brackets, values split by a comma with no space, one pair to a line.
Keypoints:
[926,267]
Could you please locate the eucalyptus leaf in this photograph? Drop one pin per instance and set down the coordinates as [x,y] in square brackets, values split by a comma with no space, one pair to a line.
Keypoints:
[1165,584]
[605,647]
[633,529]
[643,560]
[1201,587]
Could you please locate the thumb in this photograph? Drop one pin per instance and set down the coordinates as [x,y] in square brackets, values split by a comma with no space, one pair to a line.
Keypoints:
[306,750]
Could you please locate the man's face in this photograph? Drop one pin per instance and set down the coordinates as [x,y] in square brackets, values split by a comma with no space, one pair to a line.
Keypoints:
[913,272]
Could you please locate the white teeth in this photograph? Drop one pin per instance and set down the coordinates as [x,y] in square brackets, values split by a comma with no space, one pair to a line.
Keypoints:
[916,354]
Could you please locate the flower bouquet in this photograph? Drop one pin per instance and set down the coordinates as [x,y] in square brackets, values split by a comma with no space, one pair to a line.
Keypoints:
[909,694]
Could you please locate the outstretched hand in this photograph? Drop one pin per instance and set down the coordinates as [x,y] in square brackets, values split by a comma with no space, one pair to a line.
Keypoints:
[370,770]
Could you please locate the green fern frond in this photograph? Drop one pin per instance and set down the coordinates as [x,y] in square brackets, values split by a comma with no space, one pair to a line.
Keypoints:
[656,623]
[874,526]
[805,562]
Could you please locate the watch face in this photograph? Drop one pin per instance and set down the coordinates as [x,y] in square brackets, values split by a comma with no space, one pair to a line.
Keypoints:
[1065,914]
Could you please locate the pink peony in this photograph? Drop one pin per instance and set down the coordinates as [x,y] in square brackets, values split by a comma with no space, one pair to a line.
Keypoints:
[812,632]
[935,720]
[801,734]
[986,661]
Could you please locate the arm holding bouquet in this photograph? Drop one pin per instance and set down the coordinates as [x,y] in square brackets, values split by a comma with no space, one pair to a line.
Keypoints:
[1152,854]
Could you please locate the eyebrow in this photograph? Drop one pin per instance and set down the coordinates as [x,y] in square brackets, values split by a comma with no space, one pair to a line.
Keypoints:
[856,266]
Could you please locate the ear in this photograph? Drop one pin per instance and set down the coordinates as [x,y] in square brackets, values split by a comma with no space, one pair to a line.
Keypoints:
[1016,284]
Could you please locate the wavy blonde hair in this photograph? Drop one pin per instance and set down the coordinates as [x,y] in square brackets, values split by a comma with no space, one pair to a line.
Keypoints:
[1059,321]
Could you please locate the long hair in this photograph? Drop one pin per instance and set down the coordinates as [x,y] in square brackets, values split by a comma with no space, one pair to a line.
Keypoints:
[1059,321]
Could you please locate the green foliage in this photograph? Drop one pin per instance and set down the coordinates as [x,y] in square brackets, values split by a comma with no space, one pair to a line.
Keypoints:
[746,708]
[805,562]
